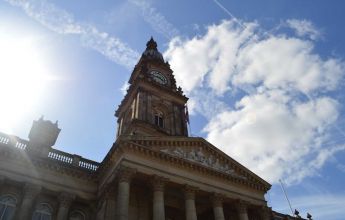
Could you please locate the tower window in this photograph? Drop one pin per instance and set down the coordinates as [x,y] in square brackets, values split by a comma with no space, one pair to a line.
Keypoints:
[159,119]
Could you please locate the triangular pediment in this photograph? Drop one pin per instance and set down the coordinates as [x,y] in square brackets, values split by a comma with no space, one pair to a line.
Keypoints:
[200,153]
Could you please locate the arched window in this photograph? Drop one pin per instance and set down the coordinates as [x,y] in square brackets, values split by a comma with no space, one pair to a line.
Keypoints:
[42,212]
[7,207]
[159,118]
[77,215]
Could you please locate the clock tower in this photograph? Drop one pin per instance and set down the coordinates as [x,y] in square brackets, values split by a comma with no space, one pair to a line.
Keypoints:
[153,105]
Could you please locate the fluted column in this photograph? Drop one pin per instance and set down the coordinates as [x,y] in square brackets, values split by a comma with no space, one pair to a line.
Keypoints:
[65,201]
[124,178]
[190,203]
[29,195]
[217,202]
[242,210]
[110,202]
[158,197]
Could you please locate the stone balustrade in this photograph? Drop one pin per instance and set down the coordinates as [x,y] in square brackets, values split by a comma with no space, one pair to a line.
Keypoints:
[53,154]
[13,141]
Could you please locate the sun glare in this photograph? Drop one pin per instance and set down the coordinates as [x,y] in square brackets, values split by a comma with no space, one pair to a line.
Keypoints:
[23,76]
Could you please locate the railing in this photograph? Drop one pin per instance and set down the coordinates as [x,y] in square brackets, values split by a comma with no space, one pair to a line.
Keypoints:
[88,164]
[73,159]
[70,159]
[60,156]
[13,140]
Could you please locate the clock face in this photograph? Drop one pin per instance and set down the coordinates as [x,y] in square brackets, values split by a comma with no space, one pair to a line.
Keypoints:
[158,77]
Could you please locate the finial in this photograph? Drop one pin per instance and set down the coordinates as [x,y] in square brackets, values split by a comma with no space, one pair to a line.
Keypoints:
[41,118]
[57,122]
[151,44]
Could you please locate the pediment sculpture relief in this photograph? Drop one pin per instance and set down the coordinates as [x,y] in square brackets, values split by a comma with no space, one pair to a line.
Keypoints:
[199,156]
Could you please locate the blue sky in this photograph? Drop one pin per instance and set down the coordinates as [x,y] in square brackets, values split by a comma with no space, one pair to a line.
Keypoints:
[265,81]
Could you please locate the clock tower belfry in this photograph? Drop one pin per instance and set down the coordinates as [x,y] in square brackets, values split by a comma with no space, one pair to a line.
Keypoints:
[153,105]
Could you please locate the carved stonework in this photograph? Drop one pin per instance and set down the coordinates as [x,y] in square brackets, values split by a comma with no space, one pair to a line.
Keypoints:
[217,200]
[189,192]
[158,183]
[125,174]
[66,199]
[198,155]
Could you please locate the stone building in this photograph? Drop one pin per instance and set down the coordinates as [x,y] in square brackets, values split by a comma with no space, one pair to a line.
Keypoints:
[154,170]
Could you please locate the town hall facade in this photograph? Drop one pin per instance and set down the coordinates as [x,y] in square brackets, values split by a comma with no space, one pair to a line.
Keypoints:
[154,170]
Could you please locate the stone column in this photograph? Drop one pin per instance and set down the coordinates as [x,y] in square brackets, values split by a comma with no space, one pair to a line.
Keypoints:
[242,210]
[217,202]
[110,202]
[124,178]
[158,198]
[190,203]
[65,201]
[30,193]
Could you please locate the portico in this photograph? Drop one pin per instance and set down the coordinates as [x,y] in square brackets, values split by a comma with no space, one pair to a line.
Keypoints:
[171,186]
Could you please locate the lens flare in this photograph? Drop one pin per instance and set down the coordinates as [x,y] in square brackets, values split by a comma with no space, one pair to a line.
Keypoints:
[23,77]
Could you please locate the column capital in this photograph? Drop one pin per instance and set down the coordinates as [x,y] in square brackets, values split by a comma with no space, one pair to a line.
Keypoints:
[158,182]
[189,192]
[66,199]
[125,174]
[217,199]
[31,190]
[241,206]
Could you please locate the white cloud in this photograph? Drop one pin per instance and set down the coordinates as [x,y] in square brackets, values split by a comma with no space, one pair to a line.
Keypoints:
[212,53]
[274,128]
[62,22]
[304,28]
[157,21]
[124,87]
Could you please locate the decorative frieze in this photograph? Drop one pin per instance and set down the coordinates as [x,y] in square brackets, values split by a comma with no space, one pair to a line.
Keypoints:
[206,159]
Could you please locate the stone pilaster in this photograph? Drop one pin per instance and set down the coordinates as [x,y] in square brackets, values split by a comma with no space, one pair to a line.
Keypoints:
[124,177]
[30,192]
[217,203]
[190,203]
[65,202]
[242,210]
[158,197]
[110,202]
